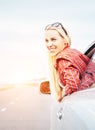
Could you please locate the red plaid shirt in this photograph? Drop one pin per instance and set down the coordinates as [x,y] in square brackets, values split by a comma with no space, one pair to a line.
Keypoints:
[73,72]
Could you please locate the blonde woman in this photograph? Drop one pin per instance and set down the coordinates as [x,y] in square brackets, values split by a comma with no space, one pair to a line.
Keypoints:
[67,65]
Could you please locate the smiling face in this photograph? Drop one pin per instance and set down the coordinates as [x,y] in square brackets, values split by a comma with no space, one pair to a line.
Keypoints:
[54,42]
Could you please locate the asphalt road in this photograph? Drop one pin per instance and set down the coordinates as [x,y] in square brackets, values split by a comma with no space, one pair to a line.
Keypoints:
[24,108]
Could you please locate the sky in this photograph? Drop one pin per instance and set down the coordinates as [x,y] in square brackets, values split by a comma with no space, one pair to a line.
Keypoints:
[22,47]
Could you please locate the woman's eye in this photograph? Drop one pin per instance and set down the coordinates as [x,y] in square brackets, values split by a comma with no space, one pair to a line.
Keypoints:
[53,39]
[46,40]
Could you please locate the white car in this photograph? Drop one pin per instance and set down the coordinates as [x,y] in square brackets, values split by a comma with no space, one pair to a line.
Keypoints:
[76,111]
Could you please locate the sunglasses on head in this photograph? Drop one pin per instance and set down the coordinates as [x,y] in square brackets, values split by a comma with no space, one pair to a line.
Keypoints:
[57,25]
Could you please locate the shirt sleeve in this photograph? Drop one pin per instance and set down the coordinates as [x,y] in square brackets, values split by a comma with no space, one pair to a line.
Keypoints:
[69,76]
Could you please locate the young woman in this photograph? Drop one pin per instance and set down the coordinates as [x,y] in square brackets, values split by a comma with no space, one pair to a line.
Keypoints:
[69,71]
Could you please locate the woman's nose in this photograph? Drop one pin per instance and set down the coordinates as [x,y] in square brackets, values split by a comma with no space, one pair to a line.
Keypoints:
[49,44]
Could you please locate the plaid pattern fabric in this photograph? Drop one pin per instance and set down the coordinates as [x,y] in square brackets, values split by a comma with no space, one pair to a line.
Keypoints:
[89,75]
[72,69]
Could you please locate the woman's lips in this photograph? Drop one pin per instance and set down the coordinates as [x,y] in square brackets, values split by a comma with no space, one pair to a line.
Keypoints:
[52,49]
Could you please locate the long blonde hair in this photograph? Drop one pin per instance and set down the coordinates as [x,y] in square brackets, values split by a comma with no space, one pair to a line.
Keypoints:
[54,85]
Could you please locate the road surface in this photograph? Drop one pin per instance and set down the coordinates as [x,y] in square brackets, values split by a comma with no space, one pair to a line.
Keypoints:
[24,108]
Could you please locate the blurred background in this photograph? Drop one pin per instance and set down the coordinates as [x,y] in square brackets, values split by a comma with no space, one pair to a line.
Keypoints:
[23,56]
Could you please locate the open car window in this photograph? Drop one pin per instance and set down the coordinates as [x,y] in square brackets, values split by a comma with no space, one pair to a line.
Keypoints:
[90,50]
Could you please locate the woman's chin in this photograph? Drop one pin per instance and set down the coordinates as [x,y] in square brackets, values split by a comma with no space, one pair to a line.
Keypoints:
[52,54]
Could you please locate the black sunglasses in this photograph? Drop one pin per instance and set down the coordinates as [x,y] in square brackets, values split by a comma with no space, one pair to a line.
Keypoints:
[57,25]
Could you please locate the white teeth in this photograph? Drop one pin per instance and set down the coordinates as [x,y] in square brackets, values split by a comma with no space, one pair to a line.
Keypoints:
[51,48]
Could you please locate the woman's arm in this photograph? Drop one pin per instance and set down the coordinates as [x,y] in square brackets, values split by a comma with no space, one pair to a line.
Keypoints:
[69,75]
